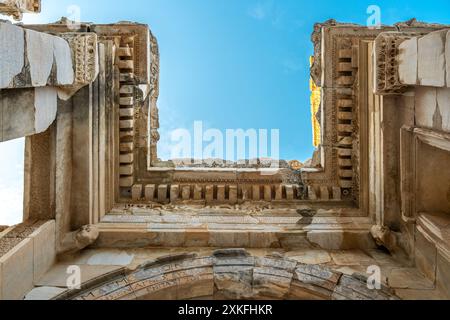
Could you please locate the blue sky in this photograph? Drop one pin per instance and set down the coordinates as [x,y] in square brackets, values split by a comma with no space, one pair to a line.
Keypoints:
[230,63]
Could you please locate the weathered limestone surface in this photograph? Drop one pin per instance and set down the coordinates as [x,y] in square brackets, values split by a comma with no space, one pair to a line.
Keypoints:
[33,59]
[442,112]
[426,257]
[26,254]
[17,271]
[12,55]
[431,59]
[407,60]
[44,249]
[78,240]
[44,293]
[220,274]
[101,141]
[447,58]
[443,274]
[426,100]
[26,111]
[433,108]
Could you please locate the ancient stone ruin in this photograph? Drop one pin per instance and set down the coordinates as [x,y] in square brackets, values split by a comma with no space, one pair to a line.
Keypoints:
[375,196]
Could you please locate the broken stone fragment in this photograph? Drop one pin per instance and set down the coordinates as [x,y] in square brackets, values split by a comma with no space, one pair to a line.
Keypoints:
[407,58]
[78,240]
[26,112]
[431,59]
[33,59]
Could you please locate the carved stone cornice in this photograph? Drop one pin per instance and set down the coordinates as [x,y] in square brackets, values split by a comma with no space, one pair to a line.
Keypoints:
[16,8]
[316,38]
[408,25]
[84,48]
[387,80]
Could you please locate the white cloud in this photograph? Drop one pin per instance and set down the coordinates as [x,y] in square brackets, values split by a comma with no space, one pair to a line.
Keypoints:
[11,181]
[259,11]
[11,198]
[267,10]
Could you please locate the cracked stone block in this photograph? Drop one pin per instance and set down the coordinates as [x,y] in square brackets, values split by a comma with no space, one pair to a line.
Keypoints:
[17,271]
[33,59]
[443,275]
[425,257]
[447,57]
[407,59]
[27,111]
[426,100]
[431,59]
[12,58]
[313,257]
[443,101]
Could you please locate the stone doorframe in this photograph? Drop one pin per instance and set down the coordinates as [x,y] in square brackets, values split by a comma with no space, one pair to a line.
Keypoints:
[98,153]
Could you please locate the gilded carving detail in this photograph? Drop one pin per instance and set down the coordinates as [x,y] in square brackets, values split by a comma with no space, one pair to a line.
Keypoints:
[316,97]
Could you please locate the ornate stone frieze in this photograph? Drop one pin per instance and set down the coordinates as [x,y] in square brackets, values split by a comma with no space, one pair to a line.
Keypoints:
[16,8]
[387,79]
[154,94]
[316,38]
[216,194]
[228,274]
[415,25]
[339,111]
[84,48]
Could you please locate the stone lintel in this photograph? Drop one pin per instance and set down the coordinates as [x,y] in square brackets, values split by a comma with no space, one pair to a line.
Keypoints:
[30,59]
[26,111]
[405,59]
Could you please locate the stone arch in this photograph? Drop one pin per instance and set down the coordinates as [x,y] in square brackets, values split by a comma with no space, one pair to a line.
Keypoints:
[228,274]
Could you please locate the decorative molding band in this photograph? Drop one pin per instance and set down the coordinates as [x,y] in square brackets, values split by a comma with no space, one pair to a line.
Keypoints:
[386,52]
[204,194]
[85,56]
[231,194]
[126,66]
[154,94]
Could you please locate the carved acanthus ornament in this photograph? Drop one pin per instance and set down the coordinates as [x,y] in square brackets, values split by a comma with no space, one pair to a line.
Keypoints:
[16,8]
